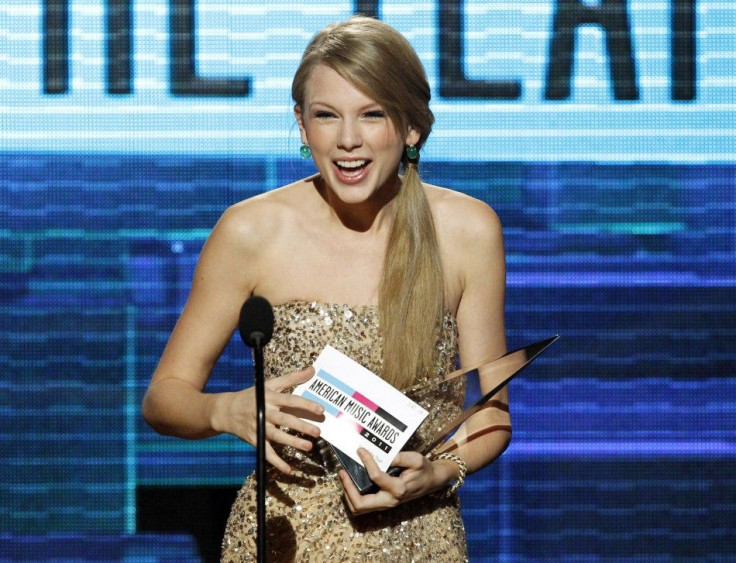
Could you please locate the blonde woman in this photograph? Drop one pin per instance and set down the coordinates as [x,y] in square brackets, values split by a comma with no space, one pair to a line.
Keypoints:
[402,276]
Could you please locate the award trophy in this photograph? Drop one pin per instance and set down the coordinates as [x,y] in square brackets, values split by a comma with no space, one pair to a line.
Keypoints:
[499,372]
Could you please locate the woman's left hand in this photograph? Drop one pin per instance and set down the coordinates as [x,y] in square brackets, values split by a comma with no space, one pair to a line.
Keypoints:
[419,477]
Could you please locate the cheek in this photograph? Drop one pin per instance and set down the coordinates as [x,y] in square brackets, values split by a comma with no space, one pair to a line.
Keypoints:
[318,138]
[389,141]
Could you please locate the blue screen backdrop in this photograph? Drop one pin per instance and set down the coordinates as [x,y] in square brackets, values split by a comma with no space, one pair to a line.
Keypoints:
[614,176]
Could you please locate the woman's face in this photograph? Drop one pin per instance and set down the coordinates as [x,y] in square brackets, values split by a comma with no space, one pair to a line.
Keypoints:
[354,144]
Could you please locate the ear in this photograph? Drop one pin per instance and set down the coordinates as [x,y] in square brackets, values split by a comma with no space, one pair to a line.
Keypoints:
[300,122]
[412,136]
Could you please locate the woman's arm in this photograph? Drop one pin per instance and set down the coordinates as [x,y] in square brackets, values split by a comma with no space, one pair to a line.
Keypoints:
[175,403]
[482,336]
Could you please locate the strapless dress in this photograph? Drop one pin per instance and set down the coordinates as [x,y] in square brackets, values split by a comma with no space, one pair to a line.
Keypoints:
[306,517]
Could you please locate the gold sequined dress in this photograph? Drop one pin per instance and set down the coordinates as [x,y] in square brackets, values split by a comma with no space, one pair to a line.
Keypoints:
[306,518]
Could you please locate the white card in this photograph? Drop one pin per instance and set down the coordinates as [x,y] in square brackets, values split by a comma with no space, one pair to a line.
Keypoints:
[361,409]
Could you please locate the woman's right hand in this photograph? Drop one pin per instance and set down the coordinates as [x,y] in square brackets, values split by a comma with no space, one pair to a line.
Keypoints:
[238,416]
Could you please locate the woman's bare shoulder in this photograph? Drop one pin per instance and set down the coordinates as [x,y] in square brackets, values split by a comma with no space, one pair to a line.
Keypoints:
[461,215]
[266,214]
[279,200]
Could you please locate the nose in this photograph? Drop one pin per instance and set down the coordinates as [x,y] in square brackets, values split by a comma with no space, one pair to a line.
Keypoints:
[349,137]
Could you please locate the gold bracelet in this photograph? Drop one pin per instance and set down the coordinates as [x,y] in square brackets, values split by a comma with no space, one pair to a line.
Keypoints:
[463,472]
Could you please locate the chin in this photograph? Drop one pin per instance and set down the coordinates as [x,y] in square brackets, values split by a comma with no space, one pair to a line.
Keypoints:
[351,193]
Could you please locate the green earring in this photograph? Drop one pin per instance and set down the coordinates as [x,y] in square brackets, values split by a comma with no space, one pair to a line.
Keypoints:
[304,151]
[412,152]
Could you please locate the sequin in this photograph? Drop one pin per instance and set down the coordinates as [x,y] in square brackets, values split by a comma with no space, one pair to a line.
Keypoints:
[306,516]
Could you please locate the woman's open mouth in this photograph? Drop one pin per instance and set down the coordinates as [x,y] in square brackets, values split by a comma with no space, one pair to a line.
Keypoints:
[351,171]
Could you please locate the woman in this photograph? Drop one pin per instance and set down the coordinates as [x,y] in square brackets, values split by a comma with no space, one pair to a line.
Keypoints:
[397,274]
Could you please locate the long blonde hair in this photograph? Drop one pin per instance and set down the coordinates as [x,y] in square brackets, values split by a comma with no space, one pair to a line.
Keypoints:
[380,62]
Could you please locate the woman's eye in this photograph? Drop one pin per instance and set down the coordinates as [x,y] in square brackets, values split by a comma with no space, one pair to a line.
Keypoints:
[376,114]
[323,114]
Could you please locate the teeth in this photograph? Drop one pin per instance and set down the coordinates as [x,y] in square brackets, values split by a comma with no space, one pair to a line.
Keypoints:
[350,163]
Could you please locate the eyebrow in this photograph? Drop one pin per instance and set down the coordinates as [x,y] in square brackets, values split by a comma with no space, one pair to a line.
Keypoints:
[373,105]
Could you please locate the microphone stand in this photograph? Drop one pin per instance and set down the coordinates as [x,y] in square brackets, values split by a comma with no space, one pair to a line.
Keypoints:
[256,328]
[261,447]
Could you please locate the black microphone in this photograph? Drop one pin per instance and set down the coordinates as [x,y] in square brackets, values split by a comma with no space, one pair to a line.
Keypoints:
[256,328]
[256,321]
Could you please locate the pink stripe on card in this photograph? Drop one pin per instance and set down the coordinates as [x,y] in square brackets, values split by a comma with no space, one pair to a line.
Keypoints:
[364,400]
